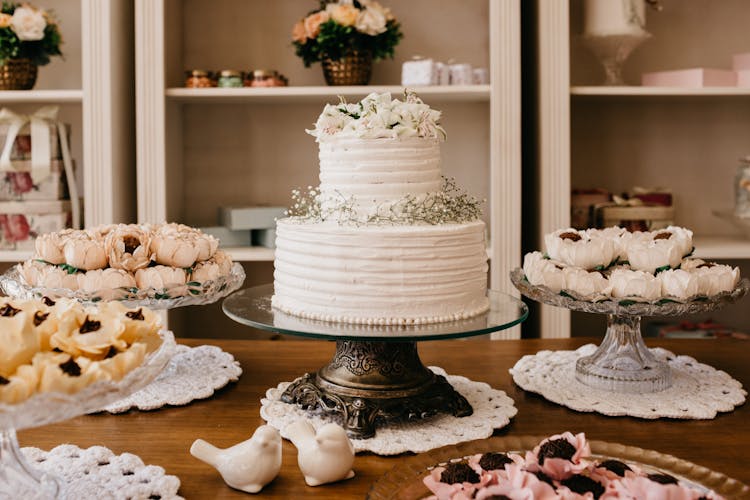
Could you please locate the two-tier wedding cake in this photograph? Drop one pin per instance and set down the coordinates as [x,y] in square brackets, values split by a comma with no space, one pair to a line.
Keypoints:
[384,239]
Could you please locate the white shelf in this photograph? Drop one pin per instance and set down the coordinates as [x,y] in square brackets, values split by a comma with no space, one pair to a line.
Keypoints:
[41,96]
[250,254]
[15,255]
[636,91]
[722,247]
[322,93]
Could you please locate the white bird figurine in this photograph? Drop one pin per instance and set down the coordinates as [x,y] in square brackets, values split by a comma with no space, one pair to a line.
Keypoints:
[247,466]
[323,457]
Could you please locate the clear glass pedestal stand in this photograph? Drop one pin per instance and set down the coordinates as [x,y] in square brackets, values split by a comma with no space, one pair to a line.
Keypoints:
[375,377]
[622,362]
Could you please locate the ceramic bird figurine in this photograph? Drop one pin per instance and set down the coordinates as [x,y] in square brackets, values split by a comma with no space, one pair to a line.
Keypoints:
[323,457]
[247,466]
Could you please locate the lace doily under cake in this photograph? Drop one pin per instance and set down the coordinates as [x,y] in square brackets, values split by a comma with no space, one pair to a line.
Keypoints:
[96,472]
[698,391]
[193,373]
[493,409]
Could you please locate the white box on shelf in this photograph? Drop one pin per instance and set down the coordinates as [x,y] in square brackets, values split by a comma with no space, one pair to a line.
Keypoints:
[461,74]
[690,78]
[743,78]
[239,218]
[21,149]
[419,73]
[229,238]
[18,185]
[741,61]
[22,221]
[264,238]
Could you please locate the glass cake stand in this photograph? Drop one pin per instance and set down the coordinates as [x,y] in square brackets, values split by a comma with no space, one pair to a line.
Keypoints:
[623,363]
[17,478]
[196,293]
[375,376]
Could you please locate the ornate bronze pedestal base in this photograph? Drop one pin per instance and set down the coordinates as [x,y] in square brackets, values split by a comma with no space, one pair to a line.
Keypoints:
[371,383]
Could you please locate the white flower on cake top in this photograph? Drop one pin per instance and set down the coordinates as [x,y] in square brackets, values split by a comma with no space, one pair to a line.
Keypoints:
[127,261]
[613,263]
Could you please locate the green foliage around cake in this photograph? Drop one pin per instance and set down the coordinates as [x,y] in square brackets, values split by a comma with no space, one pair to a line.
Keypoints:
[449,205]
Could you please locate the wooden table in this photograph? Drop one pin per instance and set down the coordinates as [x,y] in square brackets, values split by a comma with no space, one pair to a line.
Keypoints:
[163,437]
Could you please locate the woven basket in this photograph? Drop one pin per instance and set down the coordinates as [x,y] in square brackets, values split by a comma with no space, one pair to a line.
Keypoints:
[17,74]
[355,68]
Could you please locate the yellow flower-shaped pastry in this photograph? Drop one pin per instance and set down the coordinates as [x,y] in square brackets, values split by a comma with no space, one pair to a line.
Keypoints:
[89,333]
[60,372]
[18,341]
[19,386]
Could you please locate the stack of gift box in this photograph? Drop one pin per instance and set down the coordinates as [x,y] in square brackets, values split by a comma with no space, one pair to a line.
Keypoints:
[34,180]
[641,209]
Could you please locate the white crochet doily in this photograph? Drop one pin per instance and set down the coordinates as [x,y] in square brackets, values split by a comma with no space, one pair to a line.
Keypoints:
[96,473]
[493,409]
[193,373]
[698,391]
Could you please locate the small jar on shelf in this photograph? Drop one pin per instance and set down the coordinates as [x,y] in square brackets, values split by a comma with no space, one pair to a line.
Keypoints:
[742,188]
[198,79]
[230,78]
[265,78]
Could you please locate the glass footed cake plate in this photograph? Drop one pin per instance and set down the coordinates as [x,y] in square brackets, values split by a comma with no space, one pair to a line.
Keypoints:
[623,363]
[193,294]
[404,481]
[17,478]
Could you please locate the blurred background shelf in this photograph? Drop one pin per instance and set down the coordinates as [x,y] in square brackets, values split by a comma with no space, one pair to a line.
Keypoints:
[722,247]
[636,91]
[43,96]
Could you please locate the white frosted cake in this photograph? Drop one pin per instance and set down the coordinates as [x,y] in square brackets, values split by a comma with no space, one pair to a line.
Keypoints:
[385,239]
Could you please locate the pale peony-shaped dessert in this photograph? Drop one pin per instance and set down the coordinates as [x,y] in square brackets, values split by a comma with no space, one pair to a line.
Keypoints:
[716,278]
[585,284]
[541,272]
[679,283]
[653,256]
[630,284]
[576,248]
[128,248]
[127,262]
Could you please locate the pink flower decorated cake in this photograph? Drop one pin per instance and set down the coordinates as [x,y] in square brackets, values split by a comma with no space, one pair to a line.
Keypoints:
[560,467]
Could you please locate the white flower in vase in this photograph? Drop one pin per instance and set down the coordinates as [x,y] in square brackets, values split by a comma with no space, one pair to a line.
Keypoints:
[371,21]
[28,23]
[541,272]
[574,248]
[650,256]
[586,285]
[679,283]
[626,283]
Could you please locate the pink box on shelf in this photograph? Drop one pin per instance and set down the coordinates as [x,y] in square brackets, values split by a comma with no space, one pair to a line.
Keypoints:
[741,61]
[743,78]
[22,221]
[690,78]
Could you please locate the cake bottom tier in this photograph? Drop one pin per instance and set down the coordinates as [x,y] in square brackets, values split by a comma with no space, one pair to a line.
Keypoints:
[388,275]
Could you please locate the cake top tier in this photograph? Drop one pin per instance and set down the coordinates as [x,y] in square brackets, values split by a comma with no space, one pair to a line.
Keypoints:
[379,116]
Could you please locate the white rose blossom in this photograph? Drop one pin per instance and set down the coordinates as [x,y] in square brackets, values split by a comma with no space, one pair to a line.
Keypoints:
[679,283]
[625,283]
[371,21]
[28,23]
[575,249]
[128,248]
[585,284]
[541,272]
[85,253]
[714,279]
[649,256]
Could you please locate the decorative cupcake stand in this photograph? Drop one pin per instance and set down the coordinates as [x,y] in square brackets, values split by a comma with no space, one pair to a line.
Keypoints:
[17,478]
[375,376]
[622,362]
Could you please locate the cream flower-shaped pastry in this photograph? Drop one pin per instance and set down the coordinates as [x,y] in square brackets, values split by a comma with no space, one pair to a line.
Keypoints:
[60,372]
[541,272]
[175,250]
[626,283]
[654,256]
[18,341]
[85,253]
[50,247]
[20,386]
[32,271]
[692,263]
[585,284]
[89,333]
[207,246]
[224,261]
[120,362]
[101,231]
[620,237]
[108,283]
[141,324]
[161,278]
[578,249]
[128,248]
[43,319]
[679,283]
[716,278]
[679,236]
[54,277]
[206,271]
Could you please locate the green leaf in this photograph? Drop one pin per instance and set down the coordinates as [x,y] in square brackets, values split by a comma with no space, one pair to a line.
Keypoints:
[194,292]
[193,283]
[161,296]
[661,269]
[627,302]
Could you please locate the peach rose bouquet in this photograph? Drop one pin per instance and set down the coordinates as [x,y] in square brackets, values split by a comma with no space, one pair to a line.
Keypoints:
[340,27]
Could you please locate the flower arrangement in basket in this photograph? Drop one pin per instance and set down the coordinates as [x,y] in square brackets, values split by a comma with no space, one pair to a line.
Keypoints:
[28,38]
[346,37]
